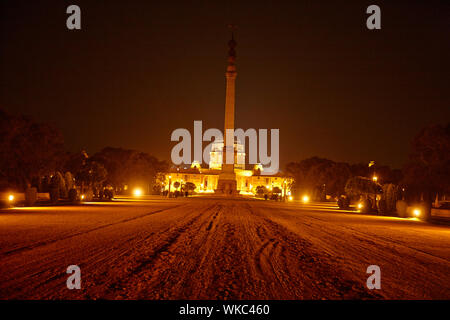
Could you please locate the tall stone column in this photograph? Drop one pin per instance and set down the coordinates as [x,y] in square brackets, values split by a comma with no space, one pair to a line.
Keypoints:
[227,183]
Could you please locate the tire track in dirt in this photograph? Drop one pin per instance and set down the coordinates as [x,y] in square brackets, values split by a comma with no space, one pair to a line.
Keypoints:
[391,255]
[185,261]
[300,271]
[352,250]
[51,274]
[156,258]
[45,243]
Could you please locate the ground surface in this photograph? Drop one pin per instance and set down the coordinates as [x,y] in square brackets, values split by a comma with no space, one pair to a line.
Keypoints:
[218,249]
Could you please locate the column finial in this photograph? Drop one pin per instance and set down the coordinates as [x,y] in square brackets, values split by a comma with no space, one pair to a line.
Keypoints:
[232,45]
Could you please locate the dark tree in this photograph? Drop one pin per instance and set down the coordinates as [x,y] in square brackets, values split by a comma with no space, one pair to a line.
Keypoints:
[428,169]
[129,167]
[357,186]
[29,150]
[189,186]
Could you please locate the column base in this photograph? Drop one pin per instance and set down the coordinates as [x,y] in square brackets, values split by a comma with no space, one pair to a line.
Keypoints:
[227,187]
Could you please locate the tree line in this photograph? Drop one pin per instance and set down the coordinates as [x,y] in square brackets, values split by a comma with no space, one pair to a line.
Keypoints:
[425,175]
[33,155]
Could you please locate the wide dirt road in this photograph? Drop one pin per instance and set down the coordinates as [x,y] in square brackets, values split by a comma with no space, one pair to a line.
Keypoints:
[206,248]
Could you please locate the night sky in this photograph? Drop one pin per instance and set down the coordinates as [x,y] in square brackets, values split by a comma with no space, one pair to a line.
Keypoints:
[140,69]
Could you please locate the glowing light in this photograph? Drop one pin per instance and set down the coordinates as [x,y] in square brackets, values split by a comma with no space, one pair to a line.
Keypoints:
[137,192]
[11,197]
[195,164]
[416,212]
[305,198]
[290,198]
[82,197]
[360,206]
[375,178]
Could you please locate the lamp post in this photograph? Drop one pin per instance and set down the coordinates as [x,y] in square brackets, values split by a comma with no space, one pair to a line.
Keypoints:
[374,179]
[170,184]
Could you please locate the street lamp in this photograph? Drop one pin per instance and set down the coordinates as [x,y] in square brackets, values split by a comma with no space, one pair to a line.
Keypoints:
[170,184]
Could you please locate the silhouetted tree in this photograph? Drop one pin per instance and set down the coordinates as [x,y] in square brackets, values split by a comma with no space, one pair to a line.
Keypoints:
[189,186]
[428,169]
[276,190]
[261,190]
[28,150]
[357,186]
[129,167]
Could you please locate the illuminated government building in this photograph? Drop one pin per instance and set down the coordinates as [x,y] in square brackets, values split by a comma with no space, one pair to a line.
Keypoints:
[220,177]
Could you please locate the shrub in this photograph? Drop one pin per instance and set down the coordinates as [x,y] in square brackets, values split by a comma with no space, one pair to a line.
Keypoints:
[382,206]
[68,179]
[109,194]
[60,181]
[343,203]
[356,186]
[89,195]
[340,203]
[391,194]
[30,196]
[401,207]
[189,186]
[54,194]
[367,206]
[260,191]
[73,195]
[276,190]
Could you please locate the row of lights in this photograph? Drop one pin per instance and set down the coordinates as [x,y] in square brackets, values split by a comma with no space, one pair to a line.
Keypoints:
[416,211]
[137,192]
[305,198]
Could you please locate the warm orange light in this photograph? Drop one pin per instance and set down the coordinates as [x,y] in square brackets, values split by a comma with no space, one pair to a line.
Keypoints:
[360,206]
[416,212]
[375,178]
[11,197]
[82,197]
[305,198]
[290,198]
[137,192]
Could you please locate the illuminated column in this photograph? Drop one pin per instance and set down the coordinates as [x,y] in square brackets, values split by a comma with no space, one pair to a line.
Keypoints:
[227,183]
[229,105]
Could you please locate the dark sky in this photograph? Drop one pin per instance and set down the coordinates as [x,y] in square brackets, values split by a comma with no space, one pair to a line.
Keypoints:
[140,69]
